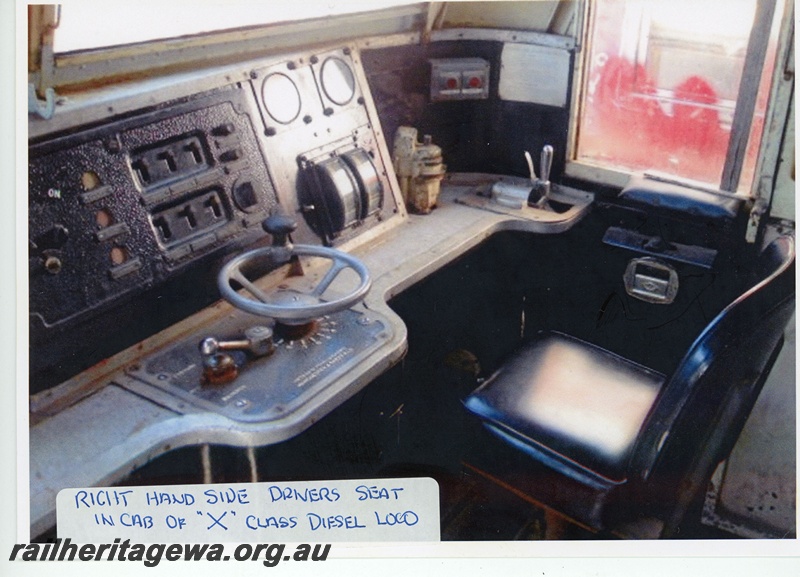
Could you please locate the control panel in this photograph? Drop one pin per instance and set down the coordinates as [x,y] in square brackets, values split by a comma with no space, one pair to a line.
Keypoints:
[123,206]
[267,385]
[323,145]
[166,191]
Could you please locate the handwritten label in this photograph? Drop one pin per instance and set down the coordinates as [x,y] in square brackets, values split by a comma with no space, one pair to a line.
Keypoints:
[309,511]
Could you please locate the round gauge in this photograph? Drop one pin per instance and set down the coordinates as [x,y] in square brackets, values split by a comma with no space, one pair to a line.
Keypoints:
[370,185]
[281,98]
[338,81]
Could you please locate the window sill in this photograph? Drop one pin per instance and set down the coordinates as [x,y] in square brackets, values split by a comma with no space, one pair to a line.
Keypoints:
[603,176]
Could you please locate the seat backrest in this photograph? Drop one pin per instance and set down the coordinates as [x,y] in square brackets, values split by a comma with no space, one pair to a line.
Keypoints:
[703,405]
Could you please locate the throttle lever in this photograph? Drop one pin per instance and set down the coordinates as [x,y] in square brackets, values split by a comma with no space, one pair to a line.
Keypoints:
[546,163]
[540,193]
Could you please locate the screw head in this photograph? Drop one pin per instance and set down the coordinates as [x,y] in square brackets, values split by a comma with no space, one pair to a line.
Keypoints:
[113,145]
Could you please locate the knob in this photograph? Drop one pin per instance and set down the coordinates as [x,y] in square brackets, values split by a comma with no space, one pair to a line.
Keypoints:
[54,238]
[230,155]
[279,226]
[52,264]
[225,129]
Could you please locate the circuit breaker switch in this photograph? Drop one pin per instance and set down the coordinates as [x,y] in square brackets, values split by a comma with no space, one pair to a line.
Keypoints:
[459,79]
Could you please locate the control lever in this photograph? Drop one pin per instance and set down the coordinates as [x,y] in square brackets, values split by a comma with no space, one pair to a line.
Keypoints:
[279,226]
[513,195]
[531,172]
[219,367]
[541,191]
[257,340]
[546,163]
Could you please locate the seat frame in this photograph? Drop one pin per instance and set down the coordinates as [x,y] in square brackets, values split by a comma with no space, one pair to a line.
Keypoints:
[695,419]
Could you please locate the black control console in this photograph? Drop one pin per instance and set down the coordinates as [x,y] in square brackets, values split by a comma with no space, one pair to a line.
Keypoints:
[130,218]
[127,205]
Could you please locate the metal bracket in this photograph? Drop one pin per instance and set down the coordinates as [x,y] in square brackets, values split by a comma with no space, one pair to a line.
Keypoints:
[754,221]
[45,108]
[651,280]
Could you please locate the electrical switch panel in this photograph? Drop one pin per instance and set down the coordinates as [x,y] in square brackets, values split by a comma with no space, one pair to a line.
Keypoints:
[459,79]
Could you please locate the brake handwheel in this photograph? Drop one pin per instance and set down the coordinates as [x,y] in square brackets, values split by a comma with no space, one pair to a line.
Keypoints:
[287,305]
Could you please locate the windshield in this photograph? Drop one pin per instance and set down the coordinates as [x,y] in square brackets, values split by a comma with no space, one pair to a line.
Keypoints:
[89,25]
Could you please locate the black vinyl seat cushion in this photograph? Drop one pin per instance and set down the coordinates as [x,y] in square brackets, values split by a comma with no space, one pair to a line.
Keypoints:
[571,404]
[624,440]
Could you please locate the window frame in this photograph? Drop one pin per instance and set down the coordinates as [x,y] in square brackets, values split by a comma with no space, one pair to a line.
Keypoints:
[586,170]
[70,71]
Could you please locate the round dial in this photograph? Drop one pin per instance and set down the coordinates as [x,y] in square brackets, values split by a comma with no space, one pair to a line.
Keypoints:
[281,98]
[338,81]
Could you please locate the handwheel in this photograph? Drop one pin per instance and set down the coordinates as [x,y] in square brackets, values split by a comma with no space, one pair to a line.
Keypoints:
[290,306]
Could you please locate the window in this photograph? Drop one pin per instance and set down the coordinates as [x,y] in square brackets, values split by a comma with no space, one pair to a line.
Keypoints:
[80,27]
[661,85]
[80,43]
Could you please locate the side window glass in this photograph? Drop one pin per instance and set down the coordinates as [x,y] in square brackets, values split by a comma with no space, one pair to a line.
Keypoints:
[662,84]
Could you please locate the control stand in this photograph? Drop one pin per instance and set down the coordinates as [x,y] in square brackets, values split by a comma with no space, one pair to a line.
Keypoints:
[257,370]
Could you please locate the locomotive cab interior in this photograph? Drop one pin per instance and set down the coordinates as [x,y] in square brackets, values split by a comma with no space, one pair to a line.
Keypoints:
[517,247]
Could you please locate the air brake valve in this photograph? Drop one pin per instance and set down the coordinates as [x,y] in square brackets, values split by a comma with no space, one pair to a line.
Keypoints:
[419,169]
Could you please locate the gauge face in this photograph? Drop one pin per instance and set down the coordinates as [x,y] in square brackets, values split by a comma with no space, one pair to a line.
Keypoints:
[281,98]
[337,80]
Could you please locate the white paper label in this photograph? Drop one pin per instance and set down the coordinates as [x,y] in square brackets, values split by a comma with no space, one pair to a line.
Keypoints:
[308,511]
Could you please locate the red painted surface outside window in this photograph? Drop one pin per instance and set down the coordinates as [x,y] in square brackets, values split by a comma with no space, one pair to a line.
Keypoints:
[662,86]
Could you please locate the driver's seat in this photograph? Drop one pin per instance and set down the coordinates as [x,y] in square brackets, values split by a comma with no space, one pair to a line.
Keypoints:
[608,441]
